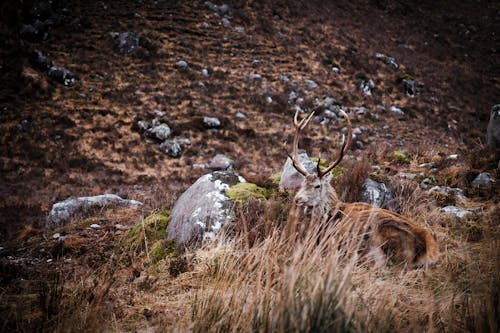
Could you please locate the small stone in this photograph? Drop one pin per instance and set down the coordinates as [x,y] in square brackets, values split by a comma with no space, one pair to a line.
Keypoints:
[452,157]
[454,191]
[182,140]
[158,113]
[181,64]
[220,162]
[211,122]
[160,132]
[336,70]
[394,109]
[56,235]
[256,63]
[205,25]
[49,261]
[428,182]
[410,88]
[95,226]
[61,75]
[171,148]
[483,181]
[204,72]
[269,99]
[120,227]
[239,29]
[284,78]
[311,85]
[128,42]
[254,76]
[366,86]
[241,116]
[225,22]
[143,125]
[42,60]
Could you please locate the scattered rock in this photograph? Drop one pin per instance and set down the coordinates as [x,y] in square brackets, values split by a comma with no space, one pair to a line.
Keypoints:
[202,210]
[161,132]
[241,116]
[182,140]
[269,99]
[225,22]
[397,111]
[171,148]
[311,85]
[483,181]
[366,86]
[284,78]
[211,122]
[128,42]
[387,60]
[254,76]
[204,72]
[181,64]
[61,75]
[220,162]
[33,32]
[410,87]
[336,70]
[493,130]
[256,63]
[429,181]
[62,212]
[458,212]
[95,226]
[377,194]
[455,192]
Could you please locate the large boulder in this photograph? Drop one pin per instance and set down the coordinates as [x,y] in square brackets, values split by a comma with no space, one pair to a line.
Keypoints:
[290,178]
[202,210]
[64,211]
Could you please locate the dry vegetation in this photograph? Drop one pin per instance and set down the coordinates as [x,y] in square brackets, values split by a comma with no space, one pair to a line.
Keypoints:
[256,277]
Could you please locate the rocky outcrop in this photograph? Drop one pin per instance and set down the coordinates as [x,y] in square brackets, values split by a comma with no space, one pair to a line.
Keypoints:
[63,212]
[202,210]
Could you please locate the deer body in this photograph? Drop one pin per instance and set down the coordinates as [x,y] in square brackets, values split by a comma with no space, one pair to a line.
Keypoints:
[384,231]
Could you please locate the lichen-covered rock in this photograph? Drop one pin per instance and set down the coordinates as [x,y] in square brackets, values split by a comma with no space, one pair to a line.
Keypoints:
[62,212]
[211,122]
[377,194]
[290,178]
[456,211]
[454,192]
[202,210]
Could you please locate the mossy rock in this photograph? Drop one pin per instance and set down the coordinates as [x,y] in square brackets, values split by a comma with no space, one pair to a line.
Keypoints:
[245,191]
[151,230]
[162,249]
[400,157]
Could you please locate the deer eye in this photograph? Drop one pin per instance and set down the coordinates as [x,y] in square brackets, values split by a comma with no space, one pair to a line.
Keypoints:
[317,186]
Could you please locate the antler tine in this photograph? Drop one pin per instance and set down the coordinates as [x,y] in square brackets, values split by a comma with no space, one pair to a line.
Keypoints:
[345,146]
[299,125]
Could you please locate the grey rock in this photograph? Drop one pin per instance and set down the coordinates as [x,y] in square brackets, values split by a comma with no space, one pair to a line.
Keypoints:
[241,116]
[284,78]
[397,111]
[181,64]
[171,148]
[454,191]
[336,70]
[204,72]
[290,178]
[161,132]
[377,194]
[63,212]
[225,22]
[239,29]
[493,129]
[456,211]
[202,210]
[256,63]
[143,125]
[311,85]
[483,181]
[128,42]
[220,162]
[254,76]
[387,60]
[61,75]
[428,182]
[211,122]
[182,141]
[410,87]
[366,86]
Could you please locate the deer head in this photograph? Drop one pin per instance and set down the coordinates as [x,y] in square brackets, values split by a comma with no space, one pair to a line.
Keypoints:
[316,194]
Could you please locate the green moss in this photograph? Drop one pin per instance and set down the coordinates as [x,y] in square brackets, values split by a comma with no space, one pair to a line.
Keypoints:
[400,156]
[245,191]
[276,178]
[323,164]
[150,230]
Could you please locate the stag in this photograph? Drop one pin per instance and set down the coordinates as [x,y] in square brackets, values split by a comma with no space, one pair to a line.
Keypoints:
[386,234]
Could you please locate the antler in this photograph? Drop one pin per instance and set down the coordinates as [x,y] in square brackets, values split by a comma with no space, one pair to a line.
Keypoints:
[345,146]
[295,152]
